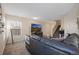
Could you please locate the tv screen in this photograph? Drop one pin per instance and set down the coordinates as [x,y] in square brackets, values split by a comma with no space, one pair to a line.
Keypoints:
[36,26]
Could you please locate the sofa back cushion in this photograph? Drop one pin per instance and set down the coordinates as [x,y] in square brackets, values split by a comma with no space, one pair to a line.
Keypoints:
[72,40]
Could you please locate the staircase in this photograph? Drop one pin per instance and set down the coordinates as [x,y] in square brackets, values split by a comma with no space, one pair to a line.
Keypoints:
[56,33]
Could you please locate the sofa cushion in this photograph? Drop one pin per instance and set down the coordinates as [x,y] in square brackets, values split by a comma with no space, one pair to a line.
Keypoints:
[72,40]
[60,46]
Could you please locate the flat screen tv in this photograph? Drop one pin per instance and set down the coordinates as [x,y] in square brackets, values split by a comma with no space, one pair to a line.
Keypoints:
[36,25]
[36,29]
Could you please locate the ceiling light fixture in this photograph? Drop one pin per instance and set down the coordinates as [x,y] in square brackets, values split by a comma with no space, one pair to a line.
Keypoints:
[35,18]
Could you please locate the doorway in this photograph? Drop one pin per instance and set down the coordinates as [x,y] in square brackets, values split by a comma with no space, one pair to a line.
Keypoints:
[13,31]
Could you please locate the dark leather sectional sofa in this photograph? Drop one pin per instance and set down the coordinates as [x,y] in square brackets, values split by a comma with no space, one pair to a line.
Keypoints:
[43,46]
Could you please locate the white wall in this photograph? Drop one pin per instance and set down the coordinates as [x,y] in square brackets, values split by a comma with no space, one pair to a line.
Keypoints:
[2,35]
[70,25]
[69,21]
[47,26]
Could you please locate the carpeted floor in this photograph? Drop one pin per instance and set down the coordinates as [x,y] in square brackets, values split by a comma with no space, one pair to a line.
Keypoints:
[17,48]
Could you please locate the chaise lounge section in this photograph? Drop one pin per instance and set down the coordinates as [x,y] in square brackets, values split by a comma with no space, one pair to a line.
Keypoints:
[43,46]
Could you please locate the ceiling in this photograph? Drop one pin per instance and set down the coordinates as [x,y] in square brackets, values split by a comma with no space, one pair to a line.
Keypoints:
[44,11]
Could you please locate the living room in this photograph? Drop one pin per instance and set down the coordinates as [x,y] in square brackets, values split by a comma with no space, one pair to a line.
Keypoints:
[43,20]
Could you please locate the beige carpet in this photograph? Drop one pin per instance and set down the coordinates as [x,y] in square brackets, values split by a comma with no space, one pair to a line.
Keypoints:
[17,48]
